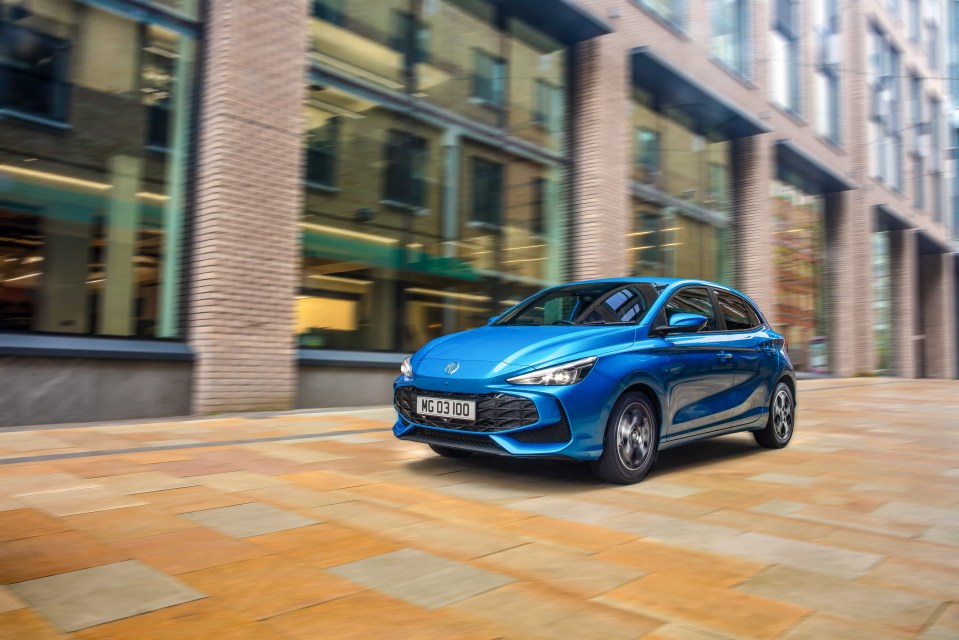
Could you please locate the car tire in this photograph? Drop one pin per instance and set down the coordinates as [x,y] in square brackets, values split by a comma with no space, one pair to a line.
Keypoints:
[782,419]
[450,452]
[631,440]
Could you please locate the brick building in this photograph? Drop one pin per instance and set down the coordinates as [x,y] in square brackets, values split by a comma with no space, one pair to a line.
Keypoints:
[241,204]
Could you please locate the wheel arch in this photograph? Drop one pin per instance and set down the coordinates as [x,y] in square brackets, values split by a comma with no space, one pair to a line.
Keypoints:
[791,383]
[647,390]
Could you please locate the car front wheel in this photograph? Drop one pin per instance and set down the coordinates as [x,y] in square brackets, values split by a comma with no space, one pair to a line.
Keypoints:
[631,440]
[782,419]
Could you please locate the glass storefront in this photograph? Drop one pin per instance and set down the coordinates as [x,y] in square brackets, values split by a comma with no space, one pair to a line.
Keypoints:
[94,108]
[799,262]
[414,227]
[679,235]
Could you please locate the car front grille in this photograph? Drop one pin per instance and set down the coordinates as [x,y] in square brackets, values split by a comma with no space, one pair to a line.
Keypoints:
[494,411]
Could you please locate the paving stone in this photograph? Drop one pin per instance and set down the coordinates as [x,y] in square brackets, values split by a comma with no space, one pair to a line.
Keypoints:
[664,489]
[43,483]
[779,507]
[820,626]
[65,503]
[783,478]
[251,519]
[146,481]
[842,597]
[190,550]
[569,509]
[27,523]
[88,597]
[38,556]
[8,601]
[797,553]
[423,579]
[565,571]
[921,514]
[237,480]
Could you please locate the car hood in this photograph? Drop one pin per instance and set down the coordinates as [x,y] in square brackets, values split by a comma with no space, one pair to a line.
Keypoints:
[528,346]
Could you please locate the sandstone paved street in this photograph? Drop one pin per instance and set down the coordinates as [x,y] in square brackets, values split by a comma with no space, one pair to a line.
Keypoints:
[322,525]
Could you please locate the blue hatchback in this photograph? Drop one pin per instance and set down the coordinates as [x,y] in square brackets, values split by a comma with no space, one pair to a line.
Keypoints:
[609,371]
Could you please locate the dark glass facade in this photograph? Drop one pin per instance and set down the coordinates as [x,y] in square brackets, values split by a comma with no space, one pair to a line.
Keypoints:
[94,106]
[421,216]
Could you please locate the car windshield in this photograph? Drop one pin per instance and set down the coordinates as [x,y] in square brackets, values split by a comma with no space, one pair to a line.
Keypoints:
[594,303]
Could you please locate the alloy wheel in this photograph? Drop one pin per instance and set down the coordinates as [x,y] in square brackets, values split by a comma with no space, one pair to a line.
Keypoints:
[634,436]
[782,414]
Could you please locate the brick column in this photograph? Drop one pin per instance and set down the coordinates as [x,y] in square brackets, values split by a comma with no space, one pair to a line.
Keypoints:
[904,266]
[601,211]
[751,222]
[245,237]
[841,280]
[938,296]
[950,322]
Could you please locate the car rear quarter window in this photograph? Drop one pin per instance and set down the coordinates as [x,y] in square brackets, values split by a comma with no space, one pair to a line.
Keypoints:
[692,300]
[738,314]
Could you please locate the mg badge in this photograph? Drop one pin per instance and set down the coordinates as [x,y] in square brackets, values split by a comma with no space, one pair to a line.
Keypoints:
[452,368]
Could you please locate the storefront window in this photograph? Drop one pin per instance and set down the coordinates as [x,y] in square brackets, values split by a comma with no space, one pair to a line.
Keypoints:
[680,221]
[416,226]
[92,169]
[386,263]
[797,241]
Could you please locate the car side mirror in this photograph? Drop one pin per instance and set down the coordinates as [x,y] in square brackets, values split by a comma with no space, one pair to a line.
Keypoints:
[492,320]
[684,323]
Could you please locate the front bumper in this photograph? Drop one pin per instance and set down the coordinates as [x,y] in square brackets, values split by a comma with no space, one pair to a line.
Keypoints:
[511,420]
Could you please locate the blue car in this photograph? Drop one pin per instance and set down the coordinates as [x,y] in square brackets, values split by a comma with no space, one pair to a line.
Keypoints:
[609,371]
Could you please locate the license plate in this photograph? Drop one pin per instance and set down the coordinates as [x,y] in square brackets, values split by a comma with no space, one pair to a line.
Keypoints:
[445,408]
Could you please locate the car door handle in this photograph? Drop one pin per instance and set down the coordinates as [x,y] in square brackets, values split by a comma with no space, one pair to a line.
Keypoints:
[770,348]
[724,356]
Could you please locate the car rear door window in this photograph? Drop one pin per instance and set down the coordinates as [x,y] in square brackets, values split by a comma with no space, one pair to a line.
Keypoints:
[692,300]
[738,314]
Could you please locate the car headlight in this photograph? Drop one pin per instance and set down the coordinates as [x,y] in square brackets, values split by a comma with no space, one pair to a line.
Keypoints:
[406,368]
[564,374]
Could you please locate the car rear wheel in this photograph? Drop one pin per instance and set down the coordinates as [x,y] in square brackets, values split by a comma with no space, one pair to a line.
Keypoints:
[782,419]
[631,440]
[450,452]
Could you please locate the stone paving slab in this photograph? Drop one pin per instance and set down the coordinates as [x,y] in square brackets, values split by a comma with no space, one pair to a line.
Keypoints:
[316,525]
[88,597]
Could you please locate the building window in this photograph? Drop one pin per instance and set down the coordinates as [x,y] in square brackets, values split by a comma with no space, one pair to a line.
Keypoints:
[329,10]
[729,41]
[321,153]
[935,162]
[785,55]
[411,38]
[932,54]
[405,182]
[885,110]
[538,202]
[716,186]
[826,79]
[487,192]
[33,72]
[647,150]
[672,11]
[915,19]
[489,80]
[91,222]
[919,142]
[547,105]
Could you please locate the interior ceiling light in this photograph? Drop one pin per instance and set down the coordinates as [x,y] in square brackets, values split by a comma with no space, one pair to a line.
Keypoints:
[447,294]
[349,234]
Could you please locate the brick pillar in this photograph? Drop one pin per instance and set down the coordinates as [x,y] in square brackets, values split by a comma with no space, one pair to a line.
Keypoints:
[245,236]
[601,211]
[841,280]
[904,266]
[950,322]
[938,296]
[752,221]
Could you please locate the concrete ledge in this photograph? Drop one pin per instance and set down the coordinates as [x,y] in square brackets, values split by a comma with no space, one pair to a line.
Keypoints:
[359,359]
[50,346]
